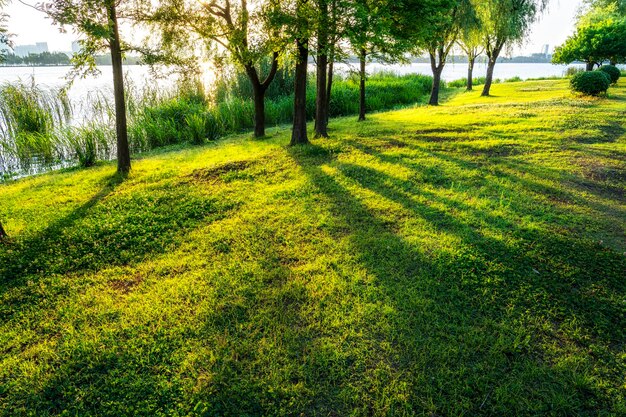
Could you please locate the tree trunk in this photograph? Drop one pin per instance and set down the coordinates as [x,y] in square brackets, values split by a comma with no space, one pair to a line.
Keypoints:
[321,104]
[589,66]
[123,151]
[437,68]
[3,234]
[362,103]
[259,89]
[298,133]
[259,111]
[322,66]
[329,87]
[470,74]
[434,93]
[489,79]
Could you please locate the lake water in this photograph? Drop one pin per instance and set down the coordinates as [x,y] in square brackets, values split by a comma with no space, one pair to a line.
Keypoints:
[55,76]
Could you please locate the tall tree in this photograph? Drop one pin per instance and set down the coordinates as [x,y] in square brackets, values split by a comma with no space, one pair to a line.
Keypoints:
[470,42]
[298,17]
[505,23]
[446,25]
[323,50]
[98,21]
[370,33]
[241,31]
[4,40]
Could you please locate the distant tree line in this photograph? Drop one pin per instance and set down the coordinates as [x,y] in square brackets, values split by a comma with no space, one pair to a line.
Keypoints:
[57,59]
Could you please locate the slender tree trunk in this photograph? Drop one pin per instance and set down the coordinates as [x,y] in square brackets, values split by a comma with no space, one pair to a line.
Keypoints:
[362,74]
[489,79]
[322,68]
[321,104]
[298,133]
[589,66]
[3,234]
[329,86]
[123,151]
[470,73]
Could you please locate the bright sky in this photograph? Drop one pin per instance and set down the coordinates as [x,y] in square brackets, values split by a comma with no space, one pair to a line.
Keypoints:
[31,26]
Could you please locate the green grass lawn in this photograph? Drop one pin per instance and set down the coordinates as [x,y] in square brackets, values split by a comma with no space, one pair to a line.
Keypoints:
[464,260]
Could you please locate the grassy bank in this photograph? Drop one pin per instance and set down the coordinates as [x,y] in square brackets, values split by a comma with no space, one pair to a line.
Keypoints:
[460,260]
[36,133]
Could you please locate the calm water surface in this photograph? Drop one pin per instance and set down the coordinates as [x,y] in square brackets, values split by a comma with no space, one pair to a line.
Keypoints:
[140,75]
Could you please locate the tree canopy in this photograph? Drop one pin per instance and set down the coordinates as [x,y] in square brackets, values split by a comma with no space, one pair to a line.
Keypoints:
[595,44]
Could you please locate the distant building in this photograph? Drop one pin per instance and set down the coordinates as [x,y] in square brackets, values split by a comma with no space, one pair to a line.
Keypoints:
[76,47]
[545,50]
[25,50]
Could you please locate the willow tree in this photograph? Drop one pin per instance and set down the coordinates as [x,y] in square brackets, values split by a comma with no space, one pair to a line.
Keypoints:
[470,42]
[505,23]
[370,34]
[297,22]
[446,24]
[98,24]
[4,40]
[237,31]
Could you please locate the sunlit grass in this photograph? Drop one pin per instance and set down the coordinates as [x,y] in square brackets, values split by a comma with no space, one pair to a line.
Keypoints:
[460,260]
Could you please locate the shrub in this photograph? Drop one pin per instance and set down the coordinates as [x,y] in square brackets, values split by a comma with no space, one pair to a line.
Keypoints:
[612,71]
[590,83]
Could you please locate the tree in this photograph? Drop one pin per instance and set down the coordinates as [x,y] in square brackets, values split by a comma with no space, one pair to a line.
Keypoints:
[323,50]
[505,23]
[239,29]
[4,40]
[297,17]
[470,42]
[370,33]
[452,17]
[594,44]
[98,21]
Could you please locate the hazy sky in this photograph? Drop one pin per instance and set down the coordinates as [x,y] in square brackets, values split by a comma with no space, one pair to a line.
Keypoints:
[31,26]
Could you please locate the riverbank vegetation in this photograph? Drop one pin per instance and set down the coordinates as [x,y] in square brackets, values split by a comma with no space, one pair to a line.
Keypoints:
[37,133]
[460,260]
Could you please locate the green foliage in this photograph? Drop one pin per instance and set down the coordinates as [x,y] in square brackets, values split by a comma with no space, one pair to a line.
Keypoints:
[459,261]
[590,82]
[594,44]
[30,119]
[613,72]
[180,115]
[571,71]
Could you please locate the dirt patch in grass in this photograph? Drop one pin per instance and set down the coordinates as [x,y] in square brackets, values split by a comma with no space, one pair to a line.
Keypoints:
[393,143]
[218,172]
[128,283]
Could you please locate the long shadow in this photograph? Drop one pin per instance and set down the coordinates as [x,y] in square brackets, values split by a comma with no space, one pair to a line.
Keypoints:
[107,230]
[439,299]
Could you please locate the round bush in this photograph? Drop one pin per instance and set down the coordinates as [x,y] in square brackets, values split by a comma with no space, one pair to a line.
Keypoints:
[590,83]
[612,71]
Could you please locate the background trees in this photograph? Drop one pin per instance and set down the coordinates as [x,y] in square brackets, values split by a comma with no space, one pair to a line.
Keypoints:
[595,44]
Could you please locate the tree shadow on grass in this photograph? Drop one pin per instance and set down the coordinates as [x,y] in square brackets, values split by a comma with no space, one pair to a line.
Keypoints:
[109,229]
[461,316]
